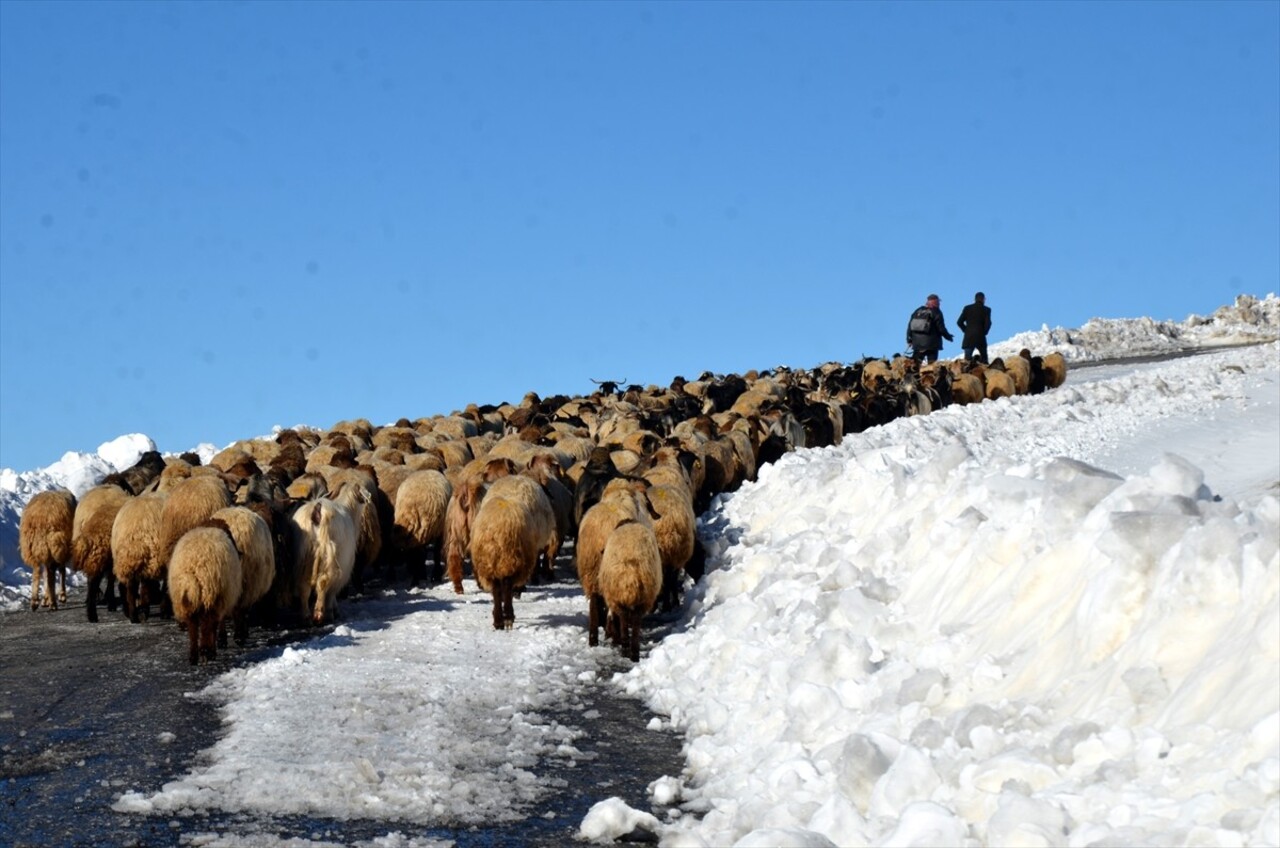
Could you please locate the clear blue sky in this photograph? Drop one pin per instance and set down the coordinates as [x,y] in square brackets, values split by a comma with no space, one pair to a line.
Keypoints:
[219,217]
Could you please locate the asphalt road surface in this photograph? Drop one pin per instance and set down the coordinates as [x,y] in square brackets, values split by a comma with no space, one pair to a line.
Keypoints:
[83,708]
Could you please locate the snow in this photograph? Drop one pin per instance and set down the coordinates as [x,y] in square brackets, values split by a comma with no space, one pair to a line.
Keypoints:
[1048,620]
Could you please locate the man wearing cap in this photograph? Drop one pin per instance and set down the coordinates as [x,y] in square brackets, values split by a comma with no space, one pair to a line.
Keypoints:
[926,330]
[975,323]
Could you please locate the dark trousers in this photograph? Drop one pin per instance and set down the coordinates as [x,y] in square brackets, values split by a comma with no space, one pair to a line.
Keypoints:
[924,355]
[982,352]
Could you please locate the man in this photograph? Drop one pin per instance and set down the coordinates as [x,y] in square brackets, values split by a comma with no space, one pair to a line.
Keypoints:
[926,330]
[975,322]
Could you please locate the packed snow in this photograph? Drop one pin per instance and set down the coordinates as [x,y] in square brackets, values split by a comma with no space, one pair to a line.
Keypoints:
[1044,620]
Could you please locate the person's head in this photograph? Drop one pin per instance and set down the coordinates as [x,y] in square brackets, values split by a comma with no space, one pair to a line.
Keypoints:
[931,301]
[979,298]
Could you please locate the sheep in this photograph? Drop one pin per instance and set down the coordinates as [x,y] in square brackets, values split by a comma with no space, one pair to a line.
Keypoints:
[459,516]
[189,504]
[675,530]
[358,496]
[91,541]
[419,521]
[546,469]
[1019,368]
[252,537]
[967,388]
[205,582]
[596,473]
[325,539]
[1055,369]
[135,552]
[620,501]
[44,540]
[513,526]
[630,580]
[995,382]
[141,474]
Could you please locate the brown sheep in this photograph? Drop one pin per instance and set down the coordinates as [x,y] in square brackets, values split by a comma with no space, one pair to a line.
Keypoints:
[252,537]
[514,525]
[1019,369]
[419,521]
[630,580]
[675,529]
[44,540]
[91,541]
[1055,369]
[135,553]
[622,500]
[205,582]
[966,388]
[995,383]
[189,504]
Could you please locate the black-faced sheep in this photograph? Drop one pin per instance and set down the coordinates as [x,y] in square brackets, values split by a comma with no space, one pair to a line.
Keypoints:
[514,525]
[141,474]
[252,537]
[596,474]
[325,545]
[419,522]
[91,541]
[630,580]
[44,541]
[205,582]
[135,553]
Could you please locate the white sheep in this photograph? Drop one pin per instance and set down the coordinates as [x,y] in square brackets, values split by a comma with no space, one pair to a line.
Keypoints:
[325,549]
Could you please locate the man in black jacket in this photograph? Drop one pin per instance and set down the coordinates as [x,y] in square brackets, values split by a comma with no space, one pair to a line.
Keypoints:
[926,330]
[975,321]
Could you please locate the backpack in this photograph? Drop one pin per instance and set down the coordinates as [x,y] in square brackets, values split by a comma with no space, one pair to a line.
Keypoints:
[921,321]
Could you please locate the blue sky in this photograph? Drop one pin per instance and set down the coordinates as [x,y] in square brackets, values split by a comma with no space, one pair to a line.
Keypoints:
[220,217]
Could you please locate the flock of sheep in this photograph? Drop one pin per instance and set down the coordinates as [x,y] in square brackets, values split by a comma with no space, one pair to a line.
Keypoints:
[281,528]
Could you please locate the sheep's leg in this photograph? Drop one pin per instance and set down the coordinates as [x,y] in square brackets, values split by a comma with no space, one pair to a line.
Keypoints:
[91,599]
[633,631]
[508,605]
[594,605]
[112,601]
[497,605]
[129,598]
[62,592]
[209,636]
[51,585]
[454,558]
[417,566]
[223,641]
[36,574]
[193,640]
[242,626]
[437,564]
